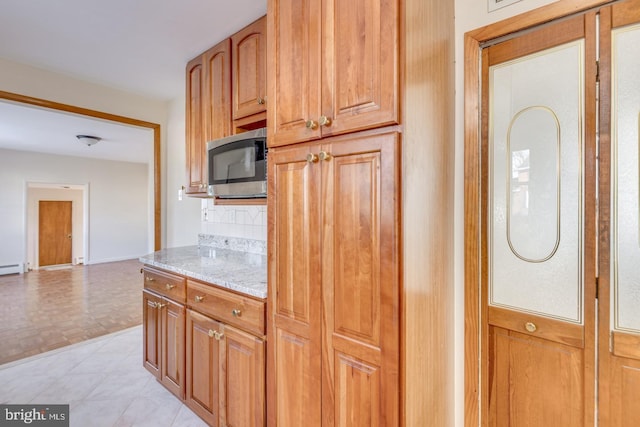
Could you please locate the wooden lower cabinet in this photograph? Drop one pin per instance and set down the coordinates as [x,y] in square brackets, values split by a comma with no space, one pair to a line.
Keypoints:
[208,349]
[334,283]
[163,326]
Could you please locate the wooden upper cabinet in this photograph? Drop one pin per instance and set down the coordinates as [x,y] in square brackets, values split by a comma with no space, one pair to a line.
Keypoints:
[208,114]
[195,128]
[217,113]
[333,67]
[249,69]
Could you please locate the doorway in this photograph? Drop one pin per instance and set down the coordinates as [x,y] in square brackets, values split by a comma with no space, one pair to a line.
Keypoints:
[552,254]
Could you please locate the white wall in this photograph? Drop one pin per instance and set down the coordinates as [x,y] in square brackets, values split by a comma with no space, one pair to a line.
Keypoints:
[183,216]
[180,222]
[117,211]
[470,15]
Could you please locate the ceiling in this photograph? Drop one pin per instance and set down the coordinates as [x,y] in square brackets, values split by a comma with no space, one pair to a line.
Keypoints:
[140,47]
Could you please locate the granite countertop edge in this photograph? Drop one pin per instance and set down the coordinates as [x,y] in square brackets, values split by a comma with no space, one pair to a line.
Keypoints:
[227,271]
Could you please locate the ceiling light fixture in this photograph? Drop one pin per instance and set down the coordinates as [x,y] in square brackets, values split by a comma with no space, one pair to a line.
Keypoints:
[88,140]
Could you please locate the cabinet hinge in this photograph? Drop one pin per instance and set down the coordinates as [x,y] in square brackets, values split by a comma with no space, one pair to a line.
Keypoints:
[597,71]
[597,287]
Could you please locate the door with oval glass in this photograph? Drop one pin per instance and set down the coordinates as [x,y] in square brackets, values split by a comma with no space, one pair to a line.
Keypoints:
[546,226]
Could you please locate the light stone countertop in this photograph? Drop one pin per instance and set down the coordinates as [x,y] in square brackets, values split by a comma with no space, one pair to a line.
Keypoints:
[239,271]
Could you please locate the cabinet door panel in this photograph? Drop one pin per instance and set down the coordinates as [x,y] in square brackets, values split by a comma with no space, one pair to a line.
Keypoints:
[243,402]
[217,113]
[203,356]
[173,318]
[151,332]
[195,142]
[294,66]
[360,64]
[294,275]
[249,71]
[360,280]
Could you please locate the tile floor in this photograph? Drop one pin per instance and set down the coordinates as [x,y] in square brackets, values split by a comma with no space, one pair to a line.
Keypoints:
[102,380]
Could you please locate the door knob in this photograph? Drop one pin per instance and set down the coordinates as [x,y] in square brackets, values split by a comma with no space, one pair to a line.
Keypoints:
[324,156]
[324,121]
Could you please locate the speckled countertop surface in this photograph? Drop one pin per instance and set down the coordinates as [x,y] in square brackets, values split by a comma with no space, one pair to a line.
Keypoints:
[236,270]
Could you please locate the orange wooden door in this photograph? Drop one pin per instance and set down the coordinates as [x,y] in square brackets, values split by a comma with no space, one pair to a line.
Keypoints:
[54,233]
[250,69]
[539,287]
[360,281]
[619,247]
[294,303]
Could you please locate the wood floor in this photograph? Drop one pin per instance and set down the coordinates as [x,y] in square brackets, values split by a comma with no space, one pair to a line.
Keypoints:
[43,310]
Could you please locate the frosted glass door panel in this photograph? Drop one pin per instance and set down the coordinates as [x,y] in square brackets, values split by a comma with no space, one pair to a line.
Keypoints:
[626,211]
[535,202]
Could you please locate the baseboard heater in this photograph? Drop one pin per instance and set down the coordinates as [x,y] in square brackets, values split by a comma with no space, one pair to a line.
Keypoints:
[11,269]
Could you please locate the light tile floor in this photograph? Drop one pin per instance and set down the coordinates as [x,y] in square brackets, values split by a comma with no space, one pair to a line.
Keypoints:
[103,382]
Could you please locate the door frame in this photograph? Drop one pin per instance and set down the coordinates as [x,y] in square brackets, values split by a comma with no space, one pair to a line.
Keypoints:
[157,165]
[473,250]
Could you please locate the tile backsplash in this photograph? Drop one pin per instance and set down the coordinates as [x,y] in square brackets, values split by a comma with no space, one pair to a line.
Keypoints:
[242,221]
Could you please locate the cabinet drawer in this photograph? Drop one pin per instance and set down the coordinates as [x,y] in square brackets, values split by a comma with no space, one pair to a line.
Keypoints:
[166,284]
[233,309]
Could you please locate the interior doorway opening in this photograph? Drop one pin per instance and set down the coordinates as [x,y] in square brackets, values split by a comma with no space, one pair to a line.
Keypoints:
[77,194]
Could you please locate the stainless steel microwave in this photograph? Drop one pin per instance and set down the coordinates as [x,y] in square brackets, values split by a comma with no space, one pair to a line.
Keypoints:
[237,165]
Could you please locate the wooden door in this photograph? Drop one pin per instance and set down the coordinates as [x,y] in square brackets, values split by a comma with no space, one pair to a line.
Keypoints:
[242,396]
[151,332]
[360,281]
[294,70]
[294,303]
[217,87]
[172,317]
[54,233]
[195,128]
[250,69]
[538,295]
[203,366]
[619,248]
[360,78]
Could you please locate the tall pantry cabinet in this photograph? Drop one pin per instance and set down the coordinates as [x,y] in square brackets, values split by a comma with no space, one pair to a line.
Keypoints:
[356,335]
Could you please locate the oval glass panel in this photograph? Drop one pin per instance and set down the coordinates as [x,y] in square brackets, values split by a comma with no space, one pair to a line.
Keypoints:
[533,185]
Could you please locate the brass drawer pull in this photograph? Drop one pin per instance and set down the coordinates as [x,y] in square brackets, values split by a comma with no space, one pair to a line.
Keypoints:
[236,312]
[150,279]
[153,304]
[169,286]
[199,298]
[530,326]
[161,305]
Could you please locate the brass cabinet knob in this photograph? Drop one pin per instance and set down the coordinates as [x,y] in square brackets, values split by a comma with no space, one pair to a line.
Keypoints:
[261,101]
[153,304]
[310,124]
[530,326]
[169,286]
[312,158]
[161,305]
[199,298]
[324,121]
[324,156]
[215,334]
[236,312]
